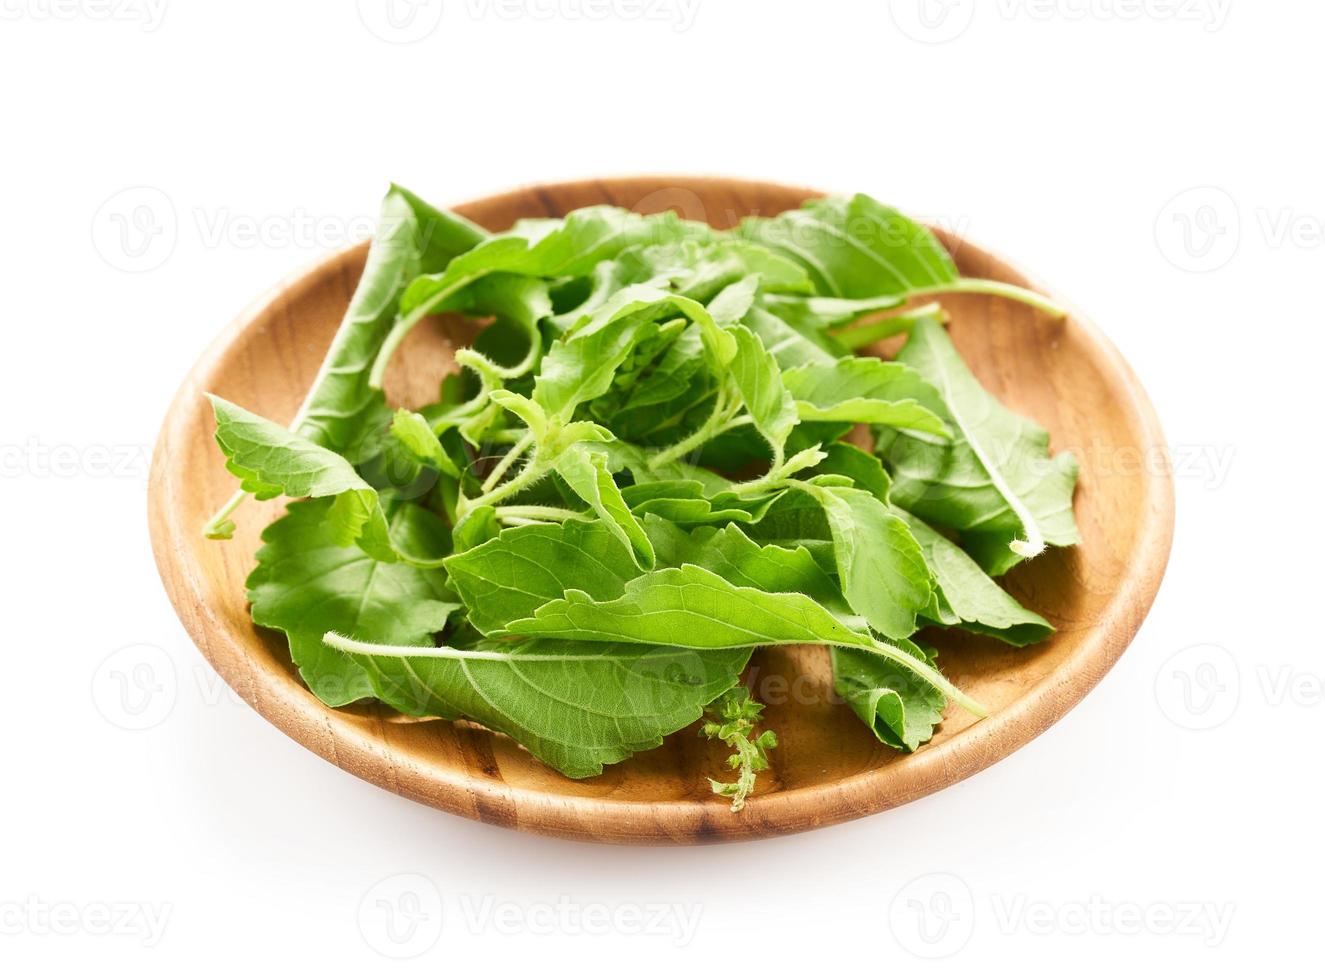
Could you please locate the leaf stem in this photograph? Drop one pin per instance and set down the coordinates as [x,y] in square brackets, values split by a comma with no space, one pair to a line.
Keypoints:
[992,287]
[536,514]
[347,644]
[533,471]
[734,423]
[506,462]
[220,526]
[924,670]
[712,426]
[401,328]
[862,335]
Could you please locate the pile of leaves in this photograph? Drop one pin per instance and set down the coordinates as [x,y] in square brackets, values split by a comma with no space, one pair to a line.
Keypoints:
[660,453]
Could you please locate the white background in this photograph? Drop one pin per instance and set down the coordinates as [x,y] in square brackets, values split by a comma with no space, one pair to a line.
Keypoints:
[1142,832]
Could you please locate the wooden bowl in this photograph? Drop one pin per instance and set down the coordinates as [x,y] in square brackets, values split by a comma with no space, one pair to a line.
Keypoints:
[828,767]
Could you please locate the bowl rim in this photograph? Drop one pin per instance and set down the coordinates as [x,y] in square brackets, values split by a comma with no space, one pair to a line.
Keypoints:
[328,731]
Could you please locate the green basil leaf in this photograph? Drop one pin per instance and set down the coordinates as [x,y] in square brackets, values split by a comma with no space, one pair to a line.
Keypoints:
[881,567]
[693,607]
[995,482]
[508,577]
[866,389]
[575,706]
[586,472]
[900,708]
[412,238]
[760,383]
[965,596]
[306,583]
[856,248]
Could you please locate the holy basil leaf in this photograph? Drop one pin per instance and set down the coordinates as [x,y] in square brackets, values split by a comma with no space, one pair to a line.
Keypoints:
[965,596]
[412,238]
[657,401]
[608,278]
[759,381]
[688,502]
[270,460]
[546,248]
[479,524]
[856,248]
[995,482]
[644,467]
[734,302]
[575,706]
[866,389]
[811,314]
[586,472]
[900,708]
[794,518]
[701,270]
[416,435]
[572,246]
[581,369]
[743,562]
[307,583]
[861,468]
[882,570]
[693,607]
[790,347]
[508,577]
[608,588]
[652,303]
[521,300]
[344,409]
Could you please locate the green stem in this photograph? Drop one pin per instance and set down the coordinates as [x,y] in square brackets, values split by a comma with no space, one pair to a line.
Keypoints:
[519,449]
[533,471]
[930,674]
[992,287]
[399,331]
[712,426]
[854,338]
[401,328]
[349,645]
[220,526]
[758,485]
[536,513]
[528,362]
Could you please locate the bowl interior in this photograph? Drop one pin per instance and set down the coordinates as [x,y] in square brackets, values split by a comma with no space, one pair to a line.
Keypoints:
[828,766]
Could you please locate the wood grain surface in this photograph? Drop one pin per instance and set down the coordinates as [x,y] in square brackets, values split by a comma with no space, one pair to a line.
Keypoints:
[829,767]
